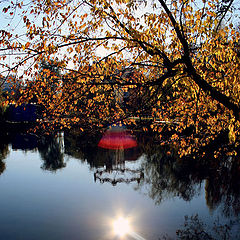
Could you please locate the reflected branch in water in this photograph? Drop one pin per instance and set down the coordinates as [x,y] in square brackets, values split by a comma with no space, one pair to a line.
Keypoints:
[4,151]
[51,152]
[223,186]
[116,176]
[2,167]
[83,146]
[166,176]
[195,228]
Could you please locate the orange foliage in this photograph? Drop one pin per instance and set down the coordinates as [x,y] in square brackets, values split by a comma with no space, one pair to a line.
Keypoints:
[178,62]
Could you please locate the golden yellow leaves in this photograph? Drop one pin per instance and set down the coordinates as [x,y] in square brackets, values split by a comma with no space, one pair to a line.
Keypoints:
[79,25]
[26,21]
[26,46]
[231,134]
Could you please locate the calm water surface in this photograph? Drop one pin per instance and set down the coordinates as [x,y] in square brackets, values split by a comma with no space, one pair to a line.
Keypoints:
[65,189]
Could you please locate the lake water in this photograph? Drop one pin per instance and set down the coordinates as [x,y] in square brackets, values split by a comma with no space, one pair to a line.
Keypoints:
[65,188]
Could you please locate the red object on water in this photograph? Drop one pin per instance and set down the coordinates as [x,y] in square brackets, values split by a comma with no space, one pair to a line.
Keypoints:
[117,139]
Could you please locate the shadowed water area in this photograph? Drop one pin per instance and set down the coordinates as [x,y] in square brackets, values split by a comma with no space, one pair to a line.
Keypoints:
[75,187]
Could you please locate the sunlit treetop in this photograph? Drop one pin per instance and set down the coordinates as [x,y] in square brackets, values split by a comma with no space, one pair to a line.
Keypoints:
[178,61]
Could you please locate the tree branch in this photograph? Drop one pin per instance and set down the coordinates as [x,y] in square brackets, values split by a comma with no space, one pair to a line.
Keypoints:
[224,14]
[205,86]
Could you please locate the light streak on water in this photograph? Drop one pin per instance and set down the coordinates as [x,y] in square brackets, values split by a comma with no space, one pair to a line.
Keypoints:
[136,236]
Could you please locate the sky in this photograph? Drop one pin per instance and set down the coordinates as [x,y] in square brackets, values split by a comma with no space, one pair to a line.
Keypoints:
[16,25]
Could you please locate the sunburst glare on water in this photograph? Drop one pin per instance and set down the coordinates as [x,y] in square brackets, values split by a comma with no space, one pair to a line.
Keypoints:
[122,228]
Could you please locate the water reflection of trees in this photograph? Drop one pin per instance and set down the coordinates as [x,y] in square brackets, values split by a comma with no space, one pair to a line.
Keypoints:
[195,228]
[167,176]
[114,170]
[108,164]
[223,186]
[4,151]
[52,153]
[83,147]
[51,148]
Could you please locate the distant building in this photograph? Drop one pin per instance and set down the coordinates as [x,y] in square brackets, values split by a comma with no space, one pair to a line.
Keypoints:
[23,113]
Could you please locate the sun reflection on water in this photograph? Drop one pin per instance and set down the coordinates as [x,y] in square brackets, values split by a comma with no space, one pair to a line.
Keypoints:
[122,228]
